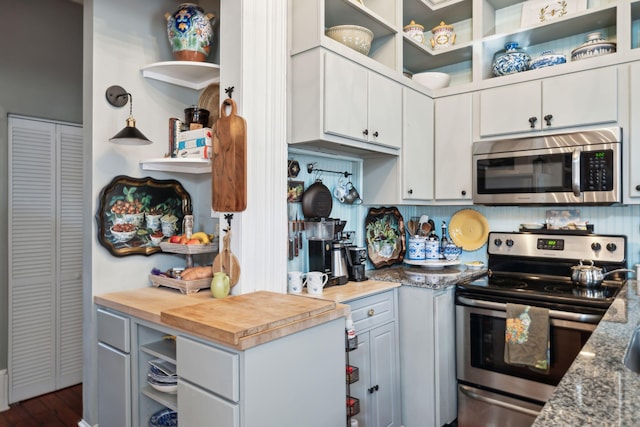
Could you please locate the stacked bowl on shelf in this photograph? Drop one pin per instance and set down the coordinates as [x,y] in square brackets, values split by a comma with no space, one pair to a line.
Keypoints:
[162,376]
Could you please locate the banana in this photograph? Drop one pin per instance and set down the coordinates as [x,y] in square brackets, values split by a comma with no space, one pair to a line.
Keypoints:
[202,236]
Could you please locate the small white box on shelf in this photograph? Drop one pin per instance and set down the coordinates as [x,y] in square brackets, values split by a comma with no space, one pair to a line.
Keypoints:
[195,143]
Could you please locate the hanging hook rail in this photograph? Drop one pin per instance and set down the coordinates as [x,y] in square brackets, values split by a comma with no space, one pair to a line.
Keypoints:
[312,167]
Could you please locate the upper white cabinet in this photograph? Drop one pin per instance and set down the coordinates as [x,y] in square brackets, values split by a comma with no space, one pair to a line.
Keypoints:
[633,136]
[341,103]
[361,104]
[417,148]
[579,99]
[452,163]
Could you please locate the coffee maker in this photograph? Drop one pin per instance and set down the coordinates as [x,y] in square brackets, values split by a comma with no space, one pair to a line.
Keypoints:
[327,252]
[356,258]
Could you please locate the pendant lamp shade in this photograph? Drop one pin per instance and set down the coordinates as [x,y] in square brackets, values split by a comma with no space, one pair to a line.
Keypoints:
[130,135]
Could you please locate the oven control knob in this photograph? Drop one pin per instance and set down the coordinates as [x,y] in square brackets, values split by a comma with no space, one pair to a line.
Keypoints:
[611,247]
[497,242]
[509,242]
[596,246]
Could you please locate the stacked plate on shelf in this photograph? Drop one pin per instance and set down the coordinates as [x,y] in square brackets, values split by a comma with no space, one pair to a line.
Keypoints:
[162,376]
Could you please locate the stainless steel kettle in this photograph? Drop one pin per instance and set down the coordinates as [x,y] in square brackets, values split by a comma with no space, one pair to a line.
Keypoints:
[339,261]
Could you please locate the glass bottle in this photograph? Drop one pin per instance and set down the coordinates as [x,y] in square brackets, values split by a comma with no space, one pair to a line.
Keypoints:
[443,241]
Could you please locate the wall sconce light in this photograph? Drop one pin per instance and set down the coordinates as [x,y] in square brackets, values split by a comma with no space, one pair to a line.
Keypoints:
[130,135]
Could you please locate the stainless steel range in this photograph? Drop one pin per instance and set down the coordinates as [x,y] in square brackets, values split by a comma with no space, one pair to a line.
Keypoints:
[533,269]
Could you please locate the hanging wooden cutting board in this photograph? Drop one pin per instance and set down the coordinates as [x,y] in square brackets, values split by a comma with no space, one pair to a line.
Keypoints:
[229,161]
[227,262]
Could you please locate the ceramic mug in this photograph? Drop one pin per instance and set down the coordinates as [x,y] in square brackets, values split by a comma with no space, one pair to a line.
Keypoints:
[295,282]
[352,196]
[340,191]
[315,282]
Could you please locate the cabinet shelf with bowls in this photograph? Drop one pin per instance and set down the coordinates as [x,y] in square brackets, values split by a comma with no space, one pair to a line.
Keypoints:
[482,29]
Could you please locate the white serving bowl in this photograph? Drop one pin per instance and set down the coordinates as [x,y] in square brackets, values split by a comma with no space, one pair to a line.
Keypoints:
[354,36]
[432,80]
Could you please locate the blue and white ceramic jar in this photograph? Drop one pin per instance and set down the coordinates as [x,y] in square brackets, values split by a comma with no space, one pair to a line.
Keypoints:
[547,59]
[511,60]
[190,32]
[417,248]
[432,249]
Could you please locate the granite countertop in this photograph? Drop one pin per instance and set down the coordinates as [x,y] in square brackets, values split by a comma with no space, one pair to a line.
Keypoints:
[598,389]
[426,277]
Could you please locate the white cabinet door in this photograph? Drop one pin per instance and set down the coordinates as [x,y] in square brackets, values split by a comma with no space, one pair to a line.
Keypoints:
[453,136]
[507,109]
[417,146]
[384,391]
[114,387]
[345,98]
[385,112]
[633,136]
[579,99]
[427,356]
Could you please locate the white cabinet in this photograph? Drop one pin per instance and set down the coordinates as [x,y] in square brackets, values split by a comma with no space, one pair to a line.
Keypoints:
[632,137]
[427,356]
[376,357]
[336,100]
[453,136]
[580,99]
[417,146]
[114,373]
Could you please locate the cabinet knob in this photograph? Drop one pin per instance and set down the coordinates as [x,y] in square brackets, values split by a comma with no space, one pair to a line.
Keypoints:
[463,192]
[637,187]
[532,121]
[375,134]
[548,118]
[411,190]
[374,388]
[365,132]
[371,312]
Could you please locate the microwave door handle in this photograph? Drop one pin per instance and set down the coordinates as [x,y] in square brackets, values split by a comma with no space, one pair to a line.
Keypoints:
[575,172]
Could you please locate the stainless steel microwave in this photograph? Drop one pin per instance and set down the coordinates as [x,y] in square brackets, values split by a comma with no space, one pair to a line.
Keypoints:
[570,168]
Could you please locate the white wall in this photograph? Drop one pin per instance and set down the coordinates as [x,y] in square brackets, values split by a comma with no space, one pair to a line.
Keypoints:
[40,76]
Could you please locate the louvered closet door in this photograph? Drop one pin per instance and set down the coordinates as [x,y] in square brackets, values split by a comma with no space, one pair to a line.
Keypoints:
[45,312]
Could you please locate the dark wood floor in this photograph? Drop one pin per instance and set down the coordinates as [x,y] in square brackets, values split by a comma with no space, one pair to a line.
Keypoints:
[62,408]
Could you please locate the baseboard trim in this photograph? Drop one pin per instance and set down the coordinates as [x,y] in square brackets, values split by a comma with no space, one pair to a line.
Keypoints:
[4,391]
[83,423]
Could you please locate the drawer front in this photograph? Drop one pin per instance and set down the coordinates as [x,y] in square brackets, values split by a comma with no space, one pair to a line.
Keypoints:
[372,311]
[114,330]
[196,405]
[209,367]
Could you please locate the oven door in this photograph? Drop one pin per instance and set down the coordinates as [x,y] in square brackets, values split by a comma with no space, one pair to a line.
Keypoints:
[480,332]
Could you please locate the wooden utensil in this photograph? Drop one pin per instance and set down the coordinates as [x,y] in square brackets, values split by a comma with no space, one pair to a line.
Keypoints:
[229,161]
[226,261]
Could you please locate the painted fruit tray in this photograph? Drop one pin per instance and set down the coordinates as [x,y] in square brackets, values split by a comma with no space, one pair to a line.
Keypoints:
[184,286]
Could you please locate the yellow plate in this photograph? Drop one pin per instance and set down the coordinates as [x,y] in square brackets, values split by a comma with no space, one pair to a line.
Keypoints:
[469,229]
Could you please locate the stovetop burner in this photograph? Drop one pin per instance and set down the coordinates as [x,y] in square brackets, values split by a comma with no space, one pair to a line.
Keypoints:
[507,283]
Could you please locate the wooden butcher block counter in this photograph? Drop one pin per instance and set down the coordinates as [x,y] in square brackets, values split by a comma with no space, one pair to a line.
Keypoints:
[239,321]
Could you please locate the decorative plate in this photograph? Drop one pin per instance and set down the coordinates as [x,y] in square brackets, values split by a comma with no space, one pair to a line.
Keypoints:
[164,418]
[432,263]
[469,229]
[384,233]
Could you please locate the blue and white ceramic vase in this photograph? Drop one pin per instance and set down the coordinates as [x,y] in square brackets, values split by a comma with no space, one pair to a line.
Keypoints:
[511,60]
[190,32]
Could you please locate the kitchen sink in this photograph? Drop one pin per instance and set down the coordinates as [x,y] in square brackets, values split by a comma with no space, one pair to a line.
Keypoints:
[632,354]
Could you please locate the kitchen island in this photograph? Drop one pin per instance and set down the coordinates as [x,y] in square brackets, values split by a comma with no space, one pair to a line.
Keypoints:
[598,389]
[245,360]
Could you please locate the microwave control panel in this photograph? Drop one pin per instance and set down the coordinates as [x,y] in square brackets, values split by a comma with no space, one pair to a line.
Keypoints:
[596,170]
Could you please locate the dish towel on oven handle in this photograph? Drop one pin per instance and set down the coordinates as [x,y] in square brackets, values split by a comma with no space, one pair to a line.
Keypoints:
[527,336]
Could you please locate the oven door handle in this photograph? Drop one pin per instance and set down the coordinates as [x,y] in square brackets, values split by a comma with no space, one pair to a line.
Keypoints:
[575,171]
[474,393]
[554,314]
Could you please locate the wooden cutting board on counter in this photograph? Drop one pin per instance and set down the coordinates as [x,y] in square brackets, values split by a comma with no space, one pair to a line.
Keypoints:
[230,319]
[229,161]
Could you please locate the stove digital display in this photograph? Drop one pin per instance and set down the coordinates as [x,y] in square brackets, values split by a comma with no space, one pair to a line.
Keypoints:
[551,244]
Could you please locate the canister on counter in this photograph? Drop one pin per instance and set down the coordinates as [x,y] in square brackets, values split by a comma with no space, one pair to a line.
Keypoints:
[417,248]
